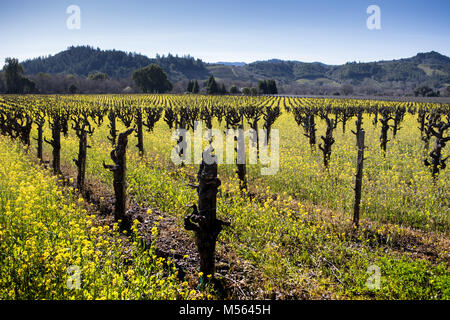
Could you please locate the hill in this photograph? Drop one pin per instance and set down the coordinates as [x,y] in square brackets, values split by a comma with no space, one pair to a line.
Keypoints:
[424,67]
[431,68]
[85,60]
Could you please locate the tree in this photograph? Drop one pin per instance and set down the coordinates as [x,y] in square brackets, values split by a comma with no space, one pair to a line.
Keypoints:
[347,89]
[73,88]
[13,71]
[211,86]
[246,91]
[27,85]
[262,86]
[234,90]
[190,86]
[152,79]
[15,81]
[267,87]
[447,91]
[195,87]
[253,91]
[425,91]
[223,89]
[272,87]
[99,76]
[2,85]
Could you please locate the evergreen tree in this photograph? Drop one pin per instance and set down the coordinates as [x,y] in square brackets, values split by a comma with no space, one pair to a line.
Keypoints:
[262,86]
[211,86]
[195,87]
[223,89]
[271,87]
[15,81]
[190,86]
[13,71]
[267,87]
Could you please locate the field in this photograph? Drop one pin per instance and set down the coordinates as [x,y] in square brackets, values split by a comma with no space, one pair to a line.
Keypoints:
[292,234]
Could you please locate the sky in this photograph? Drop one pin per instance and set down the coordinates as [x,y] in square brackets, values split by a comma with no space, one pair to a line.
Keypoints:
[328,31]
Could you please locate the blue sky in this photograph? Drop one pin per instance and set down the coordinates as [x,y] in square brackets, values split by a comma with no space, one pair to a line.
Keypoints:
[332,32]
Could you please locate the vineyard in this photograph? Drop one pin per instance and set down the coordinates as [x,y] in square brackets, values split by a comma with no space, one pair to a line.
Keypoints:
[89,182]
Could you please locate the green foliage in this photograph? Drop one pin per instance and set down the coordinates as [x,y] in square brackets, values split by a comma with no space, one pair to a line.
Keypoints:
[234,90]
[99,76]
[426,91]
[189,86]
[211,86]
[73,88]
[2,85]
[222,89]
[246,91]
[195,87]
[15,81]
[275,69]
[85,60]
[152,79]
[402,279]
[432,68]
[267,87]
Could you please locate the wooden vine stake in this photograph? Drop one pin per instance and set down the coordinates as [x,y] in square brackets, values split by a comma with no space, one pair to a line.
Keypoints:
[203,219]
[118,156]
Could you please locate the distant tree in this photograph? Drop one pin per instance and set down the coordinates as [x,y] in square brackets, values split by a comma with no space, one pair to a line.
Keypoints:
[28,86]
[195,87]
[14,79]
[253,91]
[99,76]
[262,86]
[347,89]
[234,90]
[212,86]
[152,79]
[267,87]
[190,86]
[426,91]
[2,85]
[272,87]
[13,71]
[222,89]
[246,91]
[73,88]
[447,91]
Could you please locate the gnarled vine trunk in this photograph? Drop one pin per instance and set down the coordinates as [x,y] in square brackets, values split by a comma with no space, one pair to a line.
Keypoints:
[203,219]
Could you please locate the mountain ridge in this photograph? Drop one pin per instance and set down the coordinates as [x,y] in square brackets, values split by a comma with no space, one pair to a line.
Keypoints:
[431,68]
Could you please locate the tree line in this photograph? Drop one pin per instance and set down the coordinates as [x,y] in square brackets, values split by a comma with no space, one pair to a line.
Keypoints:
[149,79]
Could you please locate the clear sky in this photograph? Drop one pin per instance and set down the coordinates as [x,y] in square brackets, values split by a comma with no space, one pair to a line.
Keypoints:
[329,31]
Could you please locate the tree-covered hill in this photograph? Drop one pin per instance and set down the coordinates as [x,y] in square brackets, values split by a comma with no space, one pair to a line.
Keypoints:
[432,69]
[85,60]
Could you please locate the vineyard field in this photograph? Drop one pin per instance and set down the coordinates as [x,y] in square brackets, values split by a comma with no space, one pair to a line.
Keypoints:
[291,235]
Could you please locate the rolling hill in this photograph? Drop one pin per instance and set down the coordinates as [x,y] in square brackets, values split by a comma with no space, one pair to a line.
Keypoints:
[430,68]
